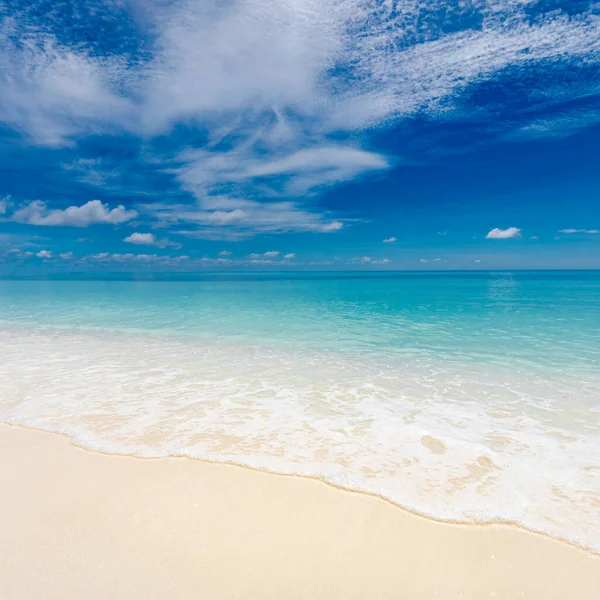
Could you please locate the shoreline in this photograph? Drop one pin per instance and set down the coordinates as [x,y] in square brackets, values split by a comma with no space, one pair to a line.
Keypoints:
[413,512]
[153,528]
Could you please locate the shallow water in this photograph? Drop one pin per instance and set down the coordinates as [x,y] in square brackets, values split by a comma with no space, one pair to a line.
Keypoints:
[470,397]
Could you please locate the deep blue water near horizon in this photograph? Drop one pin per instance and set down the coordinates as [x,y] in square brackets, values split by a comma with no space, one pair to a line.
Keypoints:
[463,395]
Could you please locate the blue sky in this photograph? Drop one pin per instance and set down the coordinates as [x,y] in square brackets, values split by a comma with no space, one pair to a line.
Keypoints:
[168,135]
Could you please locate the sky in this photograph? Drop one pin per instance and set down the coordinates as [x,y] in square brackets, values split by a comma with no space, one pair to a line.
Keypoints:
[174,135]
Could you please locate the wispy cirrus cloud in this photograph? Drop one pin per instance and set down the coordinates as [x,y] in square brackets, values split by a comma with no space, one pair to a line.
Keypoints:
[219,217]
[279,72]
[589,231]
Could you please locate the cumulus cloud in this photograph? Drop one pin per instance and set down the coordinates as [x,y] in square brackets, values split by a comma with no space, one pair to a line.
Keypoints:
[66,255]
[90,213]
[44,254]
[225,253]
[141,238]
[149,239]
[503,234]
[289,256]
[390,240]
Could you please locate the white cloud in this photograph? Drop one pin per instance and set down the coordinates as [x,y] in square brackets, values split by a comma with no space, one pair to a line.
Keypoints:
[338,64]
[225,253]
[216,178]
[289,256]
[503,234]
[148,239]
[4,205]
[477,261]
[310,66]
[53,92]
[269,254]
[92,212]
[44,254]
[66,255]
[221,217]
[390,240]
[326,227]
[366,260]
[534,237]
[135,258]
[391,59]
[17,252]
[427,260]
[558,126]
[313,168]
[589,231]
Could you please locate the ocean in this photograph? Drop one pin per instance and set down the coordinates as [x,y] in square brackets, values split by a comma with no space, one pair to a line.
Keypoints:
[463,396]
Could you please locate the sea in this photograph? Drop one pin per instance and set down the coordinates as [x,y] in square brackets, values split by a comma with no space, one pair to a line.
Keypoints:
[469,397]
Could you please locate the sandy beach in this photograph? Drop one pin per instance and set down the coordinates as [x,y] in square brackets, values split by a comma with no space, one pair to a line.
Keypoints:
[78,524]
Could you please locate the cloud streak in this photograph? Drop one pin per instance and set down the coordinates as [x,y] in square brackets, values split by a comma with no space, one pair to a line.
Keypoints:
[589,231]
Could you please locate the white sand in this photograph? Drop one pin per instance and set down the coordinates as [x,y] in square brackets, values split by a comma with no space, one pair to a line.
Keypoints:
[76,524]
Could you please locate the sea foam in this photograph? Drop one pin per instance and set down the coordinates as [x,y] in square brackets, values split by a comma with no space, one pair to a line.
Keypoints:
[458,441]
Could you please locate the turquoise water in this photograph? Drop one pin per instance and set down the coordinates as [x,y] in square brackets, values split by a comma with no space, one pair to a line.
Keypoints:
[465,396]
